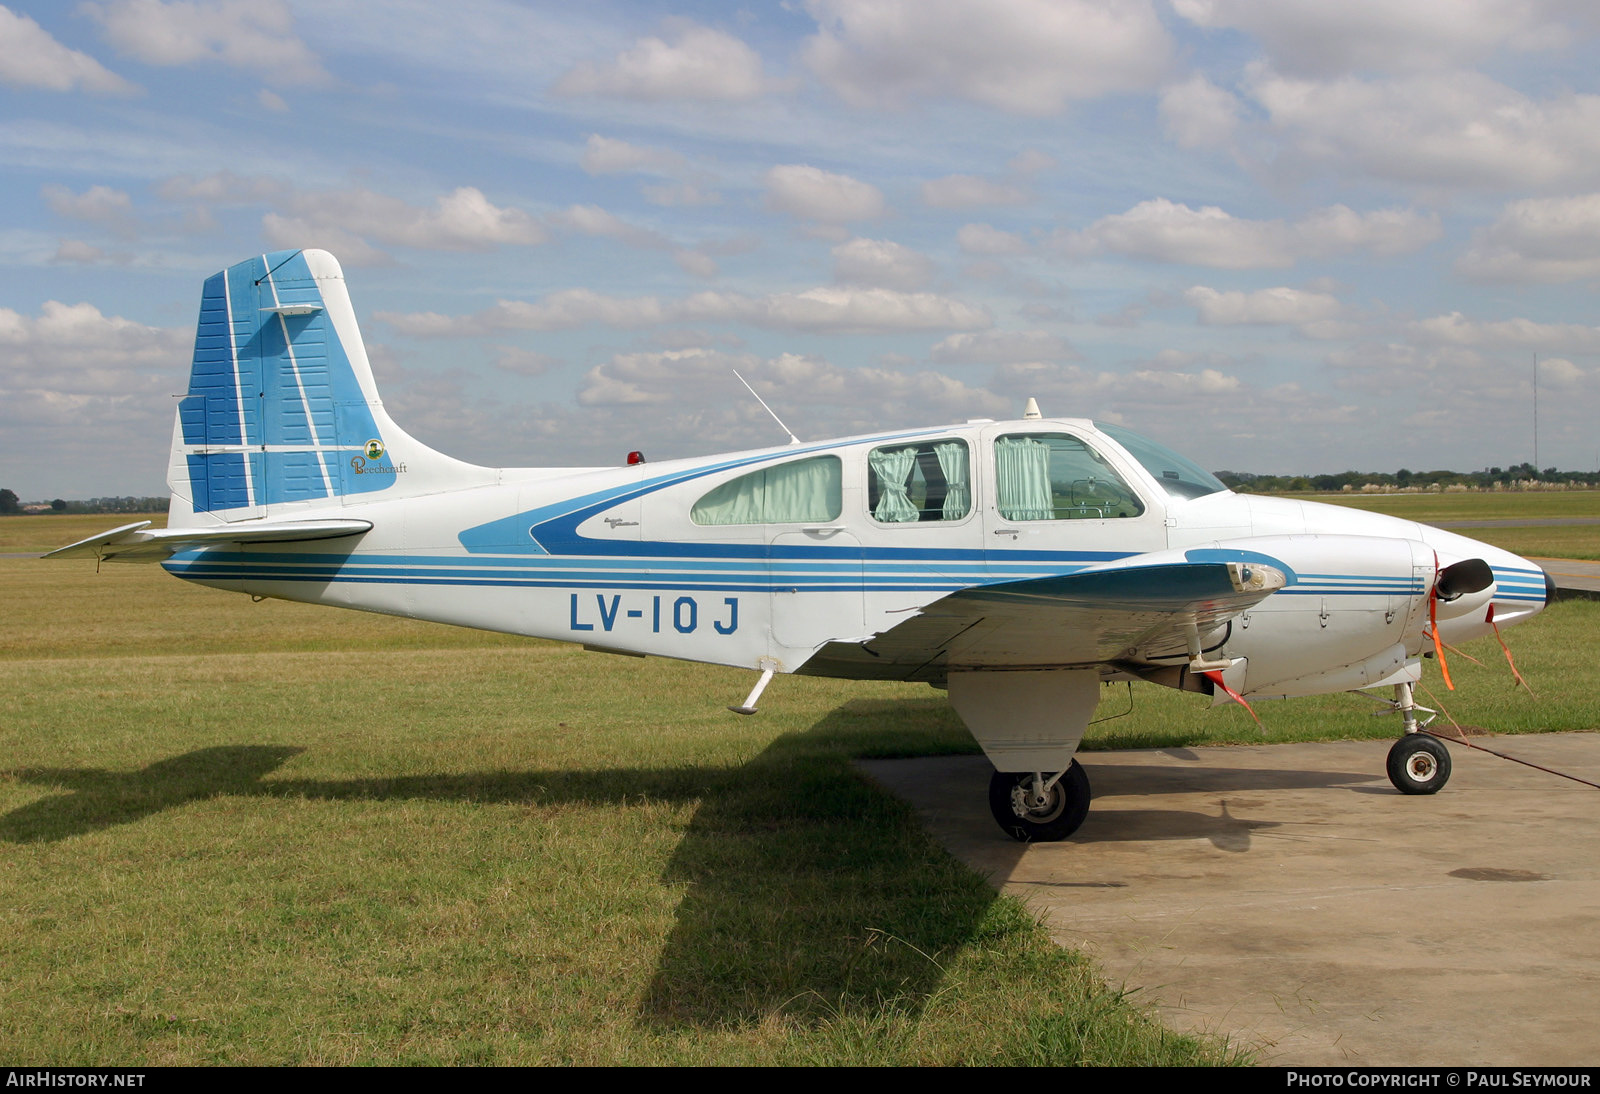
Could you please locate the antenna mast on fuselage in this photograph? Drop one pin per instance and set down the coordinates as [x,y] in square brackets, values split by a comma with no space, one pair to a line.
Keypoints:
[792,438]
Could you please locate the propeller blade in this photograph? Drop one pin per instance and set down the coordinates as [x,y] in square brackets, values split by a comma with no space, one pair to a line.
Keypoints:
[1471,575]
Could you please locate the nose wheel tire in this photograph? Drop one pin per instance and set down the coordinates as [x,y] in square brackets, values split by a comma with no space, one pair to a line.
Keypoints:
[1030,816]
[1419,764]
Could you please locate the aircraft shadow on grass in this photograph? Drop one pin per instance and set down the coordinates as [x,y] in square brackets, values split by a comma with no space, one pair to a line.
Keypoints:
[796,891]
[98,799]
[796,901]
[796,896]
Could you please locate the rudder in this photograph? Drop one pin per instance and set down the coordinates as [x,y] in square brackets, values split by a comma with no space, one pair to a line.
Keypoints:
[282,412]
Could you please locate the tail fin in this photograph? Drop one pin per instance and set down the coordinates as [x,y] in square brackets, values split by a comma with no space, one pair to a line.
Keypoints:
[282,414]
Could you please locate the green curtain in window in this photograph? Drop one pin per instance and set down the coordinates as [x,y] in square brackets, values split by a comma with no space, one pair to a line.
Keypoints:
[953,463]
[740,501]
[1022,471]
[892,469]
[805,490]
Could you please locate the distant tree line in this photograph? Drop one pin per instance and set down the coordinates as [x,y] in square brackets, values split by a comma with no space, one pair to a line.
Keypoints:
[1522,476]
[10,505]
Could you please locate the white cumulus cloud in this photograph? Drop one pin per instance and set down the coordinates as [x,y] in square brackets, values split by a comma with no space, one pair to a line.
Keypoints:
[698,63]
[223,188]
[1001,347]
[1451,128]
[881,262]
[1024,56]
[674,394]
[89,395]
[80,252]
[250,34]
[76,347]
[99,204]
[462,220]
[985,239]
[1167,231]
[606,155]
[1313,37]
[696,263]
[1275,306]
[1458,329]
[31,57]
[591,220]
[1538,240]
[1199,114]
[831,309]
[814,194]
[1562,375]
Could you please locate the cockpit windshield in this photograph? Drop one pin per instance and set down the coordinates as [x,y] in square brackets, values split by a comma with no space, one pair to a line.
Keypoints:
[1179,477]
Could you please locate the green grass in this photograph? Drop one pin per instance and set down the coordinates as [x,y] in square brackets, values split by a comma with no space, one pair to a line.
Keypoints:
[265,833]
[47,531]
[1581,541]
[1490,505]
[1509,509]
[271,833]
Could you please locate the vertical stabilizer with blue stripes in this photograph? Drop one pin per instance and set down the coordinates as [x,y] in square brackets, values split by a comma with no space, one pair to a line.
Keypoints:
[282,412]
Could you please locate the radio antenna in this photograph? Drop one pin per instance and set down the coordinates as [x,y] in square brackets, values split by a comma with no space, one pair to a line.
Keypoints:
[792,438]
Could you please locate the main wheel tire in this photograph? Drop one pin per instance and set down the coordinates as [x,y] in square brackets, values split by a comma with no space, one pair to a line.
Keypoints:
[1065,806]
[1419,764]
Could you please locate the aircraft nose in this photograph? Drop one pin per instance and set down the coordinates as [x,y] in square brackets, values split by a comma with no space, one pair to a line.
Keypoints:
[1549,587]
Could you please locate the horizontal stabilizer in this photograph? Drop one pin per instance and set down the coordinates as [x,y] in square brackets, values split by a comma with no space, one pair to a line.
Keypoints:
[140,543]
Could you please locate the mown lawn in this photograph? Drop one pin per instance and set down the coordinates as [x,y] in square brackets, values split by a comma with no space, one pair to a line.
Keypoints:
[269,833]
[236,832]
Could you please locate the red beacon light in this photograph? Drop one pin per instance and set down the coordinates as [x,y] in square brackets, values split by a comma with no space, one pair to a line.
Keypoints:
[635,457]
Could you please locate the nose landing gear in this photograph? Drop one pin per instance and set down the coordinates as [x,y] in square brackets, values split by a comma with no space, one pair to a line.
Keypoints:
[1418,762]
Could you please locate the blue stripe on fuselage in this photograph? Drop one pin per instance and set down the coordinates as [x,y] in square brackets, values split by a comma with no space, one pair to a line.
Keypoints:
[553,529]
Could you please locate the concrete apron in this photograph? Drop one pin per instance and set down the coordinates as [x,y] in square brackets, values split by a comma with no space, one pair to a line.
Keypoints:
[1287,897]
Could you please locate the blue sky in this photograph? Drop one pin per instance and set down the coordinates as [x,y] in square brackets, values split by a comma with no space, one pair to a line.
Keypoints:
[1282,236]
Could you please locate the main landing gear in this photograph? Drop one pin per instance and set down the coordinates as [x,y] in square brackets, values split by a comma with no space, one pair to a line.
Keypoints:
[1418,763]
[1034,807]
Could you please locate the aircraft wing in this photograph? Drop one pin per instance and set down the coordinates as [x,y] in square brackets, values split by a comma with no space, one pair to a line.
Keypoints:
[139,542]
[1122,613]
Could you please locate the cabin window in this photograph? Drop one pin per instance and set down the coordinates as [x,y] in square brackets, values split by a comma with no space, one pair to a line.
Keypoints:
[919,482]
[788,493]
[1054,476]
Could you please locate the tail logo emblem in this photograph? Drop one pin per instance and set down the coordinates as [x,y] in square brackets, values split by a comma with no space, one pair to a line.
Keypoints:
[374,449]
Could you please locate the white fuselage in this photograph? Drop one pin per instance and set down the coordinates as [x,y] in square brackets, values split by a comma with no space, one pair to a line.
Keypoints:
[624,559]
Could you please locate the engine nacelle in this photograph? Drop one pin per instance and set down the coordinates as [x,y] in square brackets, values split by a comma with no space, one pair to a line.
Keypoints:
[1352,614]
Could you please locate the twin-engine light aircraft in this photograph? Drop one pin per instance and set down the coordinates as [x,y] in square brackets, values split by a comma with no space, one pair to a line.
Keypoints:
[1017,564]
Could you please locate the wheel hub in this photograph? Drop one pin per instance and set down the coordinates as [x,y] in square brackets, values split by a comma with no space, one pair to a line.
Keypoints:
[1028,804]
[1422,766]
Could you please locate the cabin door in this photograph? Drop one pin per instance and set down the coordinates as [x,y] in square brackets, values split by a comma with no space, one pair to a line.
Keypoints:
[1056,501]
[816,575]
